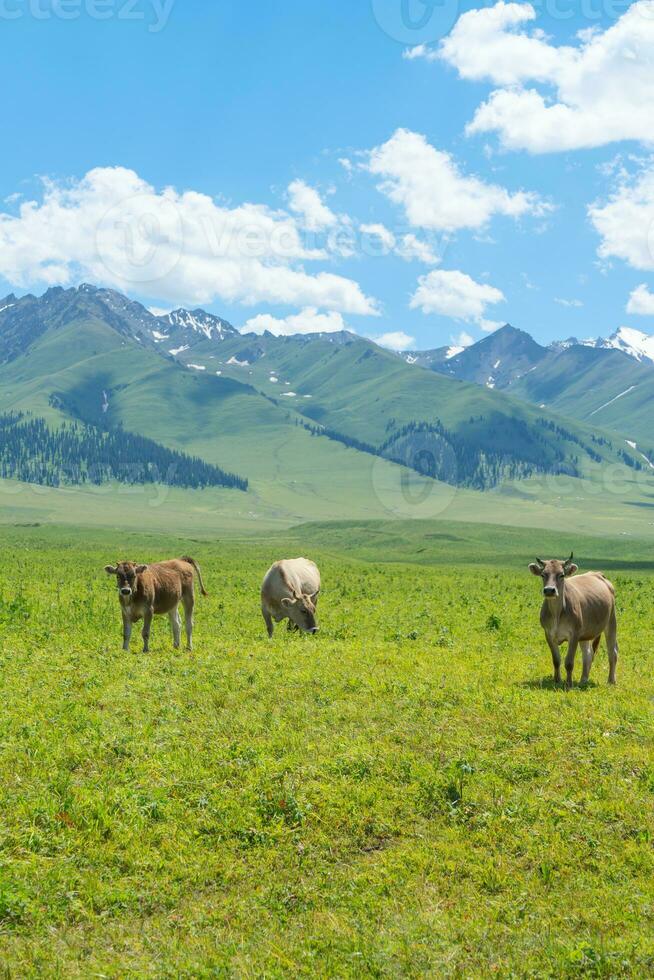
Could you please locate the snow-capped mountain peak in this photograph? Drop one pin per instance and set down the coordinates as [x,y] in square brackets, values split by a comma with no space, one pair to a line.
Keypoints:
[202,323]
[631,341]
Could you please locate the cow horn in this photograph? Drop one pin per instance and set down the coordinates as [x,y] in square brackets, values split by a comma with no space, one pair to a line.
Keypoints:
[541,562]
[569,561]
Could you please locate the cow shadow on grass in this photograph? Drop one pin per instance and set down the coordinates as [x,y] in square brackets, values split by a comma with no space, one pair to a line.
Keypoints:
[549,684]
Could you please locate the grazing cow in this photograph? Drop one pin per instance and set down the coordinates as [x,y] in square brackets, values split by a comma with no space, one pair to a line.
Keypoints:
[577,610]
[145,591]
[290,591]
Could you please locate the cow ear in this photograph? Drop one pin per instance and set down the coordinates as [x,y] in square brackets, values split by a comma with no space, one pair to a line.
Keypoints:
[110,569]
[535,569]
[140,569]
[571,569]
[288,602]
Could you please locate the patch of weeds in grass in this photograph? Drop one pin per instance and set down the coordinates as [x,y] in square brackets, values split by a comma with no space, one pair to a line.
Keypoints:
[279,802]
[13,903]
[444,793]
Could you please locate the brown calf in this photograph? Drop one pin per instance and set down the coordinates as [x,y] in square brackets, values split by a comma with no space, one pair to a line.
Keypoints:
[145,591]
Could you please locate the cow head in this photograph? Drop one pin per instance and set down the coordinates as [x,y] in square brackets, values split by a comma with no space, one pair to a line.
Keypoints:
[126,573]
[301,610]
[553,574]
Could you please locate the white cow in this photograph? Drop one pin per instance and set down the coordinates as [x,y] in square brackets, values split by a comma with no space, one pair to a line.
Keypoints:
[290,591]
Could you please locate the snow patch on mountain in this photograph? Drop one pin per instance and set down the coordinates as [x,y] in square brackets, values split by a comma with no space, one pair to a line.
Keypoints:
[202,323]
[634,446]
[633,342]
[612,400]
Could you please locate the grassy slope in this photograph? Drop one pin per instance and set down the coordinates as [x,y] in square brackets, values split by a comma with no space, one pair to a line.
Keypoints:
[293,475]
[357,388]
[405,795]
[583,383]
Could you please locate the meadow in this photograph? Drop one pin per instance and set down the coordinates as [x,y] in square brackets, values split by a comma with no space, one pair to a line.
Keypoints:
[404,795]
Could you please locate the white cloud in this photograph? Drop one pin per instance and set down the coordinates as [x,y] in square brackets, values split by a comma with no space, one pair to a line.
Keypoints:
[596,91]
[381,232]
[455,294]
[641,301]
[395,341]
[411,247]
[407,246]
[420,51]
[569,303]
[626,222]
[309,320]
[428,184]
[462,340]
[306,202]
[159,310]
[114,228]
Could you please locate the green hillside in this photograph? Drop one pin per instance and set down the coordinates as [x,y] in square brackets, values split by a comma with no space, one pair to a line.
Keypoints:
[352,386]
[292,474]
[604,388]
[251,408]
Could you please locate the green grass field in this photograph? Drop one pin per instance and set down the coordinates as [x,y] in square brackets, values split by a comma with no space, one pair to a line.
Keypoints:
[405,794]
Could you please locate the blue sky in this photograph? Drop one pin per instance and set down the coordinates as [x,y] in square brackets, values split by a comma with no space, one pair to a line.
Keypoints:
[294,109]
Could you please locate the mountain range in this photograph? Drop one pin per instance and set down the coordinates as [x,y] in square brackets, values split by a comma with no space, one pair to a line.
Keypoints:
[301,416]
[605,382]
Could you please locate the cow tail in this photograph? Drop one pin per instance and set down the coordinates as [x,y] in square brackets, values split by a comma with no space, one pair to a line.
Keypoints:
[195,565]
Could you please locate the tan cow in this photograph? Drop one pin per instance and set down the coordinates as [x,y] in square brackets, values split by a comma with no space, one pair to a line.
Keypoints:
[290,591]
[145,591]
[577,610]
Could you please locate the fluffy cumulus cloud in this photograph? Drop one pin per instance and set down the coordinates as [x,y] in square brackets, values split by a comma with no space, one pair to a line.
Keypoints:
[556,97]
[307,203]
[449,292]
[641,301]
[379,240]
[306,321]
[625,223]
[397,340]
[428,185]
[116,229]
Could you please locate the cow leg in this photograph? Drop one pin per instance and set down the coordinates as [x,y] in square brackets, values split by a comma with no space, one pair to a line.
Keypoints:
[189,604]
[127,633]
[556,659]
[145,633]
[176,626]
[573,643]
[587,661]
[267,618]
[612,645]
